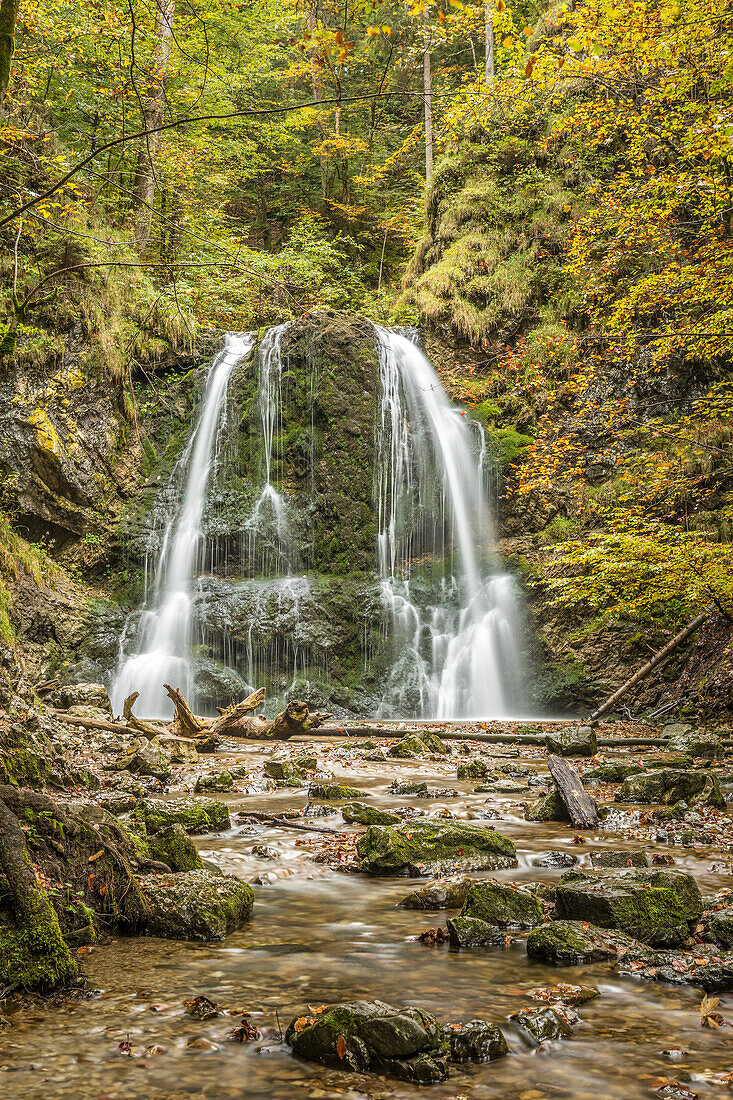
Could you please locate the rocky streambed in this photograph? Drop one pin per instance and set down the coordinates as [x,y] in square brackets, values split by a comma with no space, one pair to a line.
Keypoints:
[418,917]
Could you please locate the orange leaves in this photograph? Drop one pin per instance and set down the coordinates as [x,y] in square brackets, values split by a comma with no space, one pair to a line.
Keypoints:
[341,1047]
[302,1023]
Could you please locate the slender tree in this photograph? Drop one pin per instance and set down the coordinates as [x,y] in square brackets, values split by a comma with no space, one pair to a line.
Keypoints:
[427,99]
[145,177]
[8,19]
[489,29]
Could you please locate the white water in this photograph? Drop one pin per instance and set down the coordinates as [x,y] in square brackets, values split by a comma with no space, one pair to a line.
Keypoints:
[164,647]
[457,652]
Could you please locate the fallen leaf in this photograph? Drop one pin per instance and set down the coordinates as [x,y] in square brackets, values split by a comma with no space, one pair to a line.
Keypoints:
[341,1047]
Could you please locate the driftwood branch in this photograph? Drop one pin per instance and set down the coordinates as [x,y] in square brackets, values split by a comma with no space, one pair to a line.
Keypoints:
[136,724]
[652,664]
[185,723]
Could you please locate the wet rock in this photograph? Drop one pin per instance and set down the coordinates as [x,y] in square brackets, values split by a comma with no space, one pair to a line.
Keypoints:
[542,1025]
[306,763]
[566,994]
[429,847]
[476,769]
[149,759]
[222,781]
[577,741]
[434,743]
[370,1036]
[181,750]
[360,814]
[655,907]
[548,808]
[117,802]
[409,747]
[85,695]
[555,859]
[567,943]
[196,815]
[282,769]
[619,859]
[265,851]
[700,745]
[334,792]
[677,729]
[671,785]
[84,711]
[502,905]
[613,773]
[472,932]
[173,845]
[402,787]
[196,905]
[476,1041]
[509,786]
[447,893]
[720,927]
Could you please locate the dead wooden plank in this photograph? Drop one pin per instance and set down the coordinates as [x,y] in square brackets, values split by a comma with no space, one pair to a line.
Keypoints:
[581,807]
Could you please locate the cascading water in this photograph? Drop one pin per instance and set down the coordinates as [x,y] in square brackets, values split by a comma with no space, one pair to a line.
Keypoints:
[455,620]
[164,648]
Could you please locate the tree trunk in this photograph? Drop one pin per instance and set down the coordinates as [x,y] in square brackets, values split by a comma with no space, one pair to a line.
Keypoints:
[296,718]
[34,954]
[427,100]
[650,665]
[581,807]
[489,31]
[144,185]
[8,20]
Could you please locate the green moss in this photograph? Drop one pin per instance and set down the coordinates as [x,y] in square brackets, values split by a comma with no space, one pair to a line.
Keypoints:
[502,906]
[33,954]
[421,846]
[196,815]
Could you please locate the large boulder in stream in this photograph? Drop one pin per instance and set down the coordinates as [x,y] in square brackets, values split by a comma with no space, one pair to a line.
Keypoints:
[196,905]
[196,815]
[502,905]
[698,744]
[656,907]
[358,813]
[406,1043]
[671,785]
[568,943]
[432,847]
[446,893]
[541,1025]
[577,741]
[548,808]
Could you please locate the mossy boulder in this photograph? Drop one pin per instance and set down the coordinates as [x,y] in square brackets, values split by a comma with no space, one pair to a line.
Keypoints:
[404,787]
[196,905]
[609,858]
[548,808]
[306,763]
[429,847]
[335,792]
[567,943]
[577,741]
[221,781]
[282,769]
[180,750]
[196,815]
[476,1041]
[359,813]
[33,953]
[447,893]
[654,906]
[670,785]
[697,744]
[410,747]
[371,1036]
[475,769]
[613,773]
[85,695]
[542,1025]
[173,845]
[472,932]
[502,905]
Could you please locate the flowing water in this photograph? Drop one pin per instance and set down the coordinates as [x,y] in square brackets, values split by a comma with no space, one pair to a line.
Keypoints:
[165,642]
[317,935]
[457,639]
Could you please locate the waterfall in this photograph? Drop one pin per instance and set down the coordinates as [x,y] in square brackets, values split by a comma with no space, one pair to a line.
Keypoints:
[454,618]
[164,645]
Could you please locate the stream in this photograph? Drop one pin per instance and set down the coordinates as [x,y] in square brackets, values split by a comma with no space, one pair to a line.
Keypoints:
[318,935]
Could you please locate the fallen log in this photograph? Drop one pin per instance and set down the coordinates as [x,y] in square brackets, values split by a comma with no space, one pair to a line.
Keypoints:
[296,718]
[185,723]
[652,664]
[236,717]
[579,804]
[134,723]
